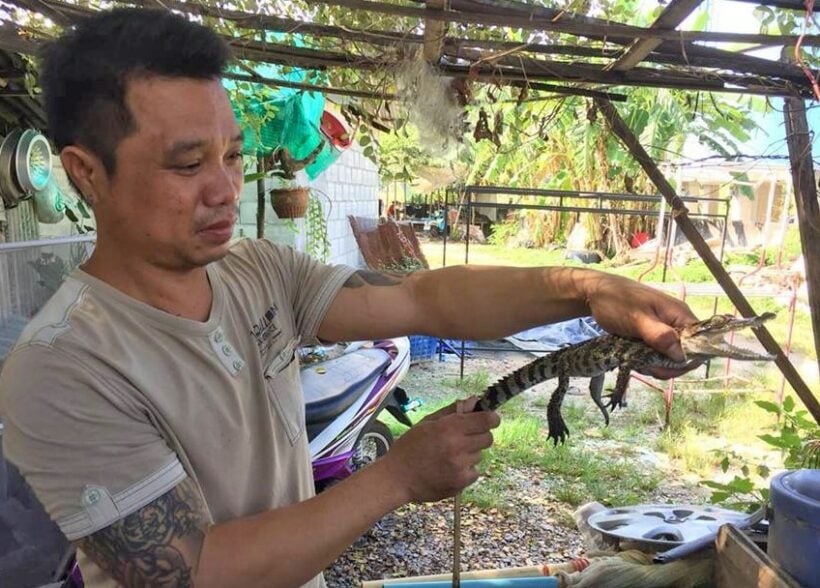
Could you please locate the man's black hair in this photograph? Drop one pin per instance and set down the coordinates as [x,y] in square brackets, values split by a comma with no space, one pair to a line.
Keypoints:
[85,72]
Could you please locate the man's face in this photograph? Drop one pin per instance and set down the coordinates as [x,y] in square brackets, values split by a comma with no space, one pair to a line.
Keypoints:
[172,201]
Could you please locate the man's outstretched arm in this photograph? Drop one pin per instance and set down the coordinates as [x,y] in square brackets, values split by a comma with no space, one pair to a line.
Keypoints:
[481,302]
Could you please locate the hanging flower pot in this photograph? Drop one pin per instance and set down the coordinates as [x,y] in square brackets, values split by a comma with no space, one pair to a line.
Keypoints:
[290,202]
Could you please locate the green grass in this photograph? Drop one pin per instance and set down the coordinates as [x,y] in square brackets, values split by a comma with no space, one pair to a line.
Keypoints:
[573,473]
[481,254]
[472,384]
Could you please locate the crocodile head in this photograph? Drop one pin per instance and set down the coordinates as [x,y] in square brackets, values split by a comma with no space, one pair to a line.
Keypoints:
[704,339]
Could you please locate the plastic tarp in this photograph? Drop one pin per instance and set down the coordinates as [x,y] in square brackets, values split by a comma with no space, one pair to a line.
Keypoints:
[557,335]
[544,339]
[291,117]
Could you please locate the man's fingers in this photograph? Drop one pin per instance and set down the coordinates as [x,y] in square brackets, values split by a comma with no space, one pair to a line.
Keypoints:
[667,373]
[662,338]
[475,443]
[479,422]
[459,406]
[466,404]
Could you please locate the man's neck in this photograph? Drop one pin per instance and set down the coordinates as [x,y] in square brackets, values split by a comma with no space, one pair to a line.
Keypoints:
[183,293]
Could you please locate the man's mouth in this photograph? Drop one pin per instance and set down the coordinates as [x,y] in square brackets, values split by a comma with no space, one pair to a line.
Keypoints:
[220,231]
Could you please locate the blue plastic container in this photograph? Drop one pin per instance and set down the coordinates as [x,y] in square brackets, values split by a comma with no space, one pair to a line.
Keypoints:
[422,348]
[794,533]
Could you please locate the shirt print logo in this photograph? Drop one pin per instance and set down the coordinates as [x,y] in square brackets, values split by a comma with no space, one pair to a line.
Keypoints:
[265,330]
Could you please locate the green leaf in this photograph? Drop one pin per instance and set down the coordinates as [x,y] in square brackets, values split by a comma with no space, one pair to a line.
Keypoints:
[83,210]
[788,404]
[763,470]
[741,485]
[71,216]
[700,21]
[713,484]
[775,441]
[768,405]
[254,177]
[719,497]
[792,438]
[744,189]
[724,464]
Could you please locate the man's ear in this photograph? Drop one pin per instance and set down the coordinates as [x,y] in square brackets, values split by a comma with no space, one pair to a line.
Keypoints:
[86,171]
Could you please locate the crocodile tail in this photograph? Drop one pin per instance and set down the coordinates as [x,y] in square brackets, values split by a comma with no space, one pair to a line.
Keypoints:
[515,383]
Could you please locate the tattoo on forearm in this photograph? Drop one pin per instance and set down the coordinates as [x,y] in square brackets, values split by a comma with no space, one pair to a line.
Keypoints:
[370,278]
[159,545]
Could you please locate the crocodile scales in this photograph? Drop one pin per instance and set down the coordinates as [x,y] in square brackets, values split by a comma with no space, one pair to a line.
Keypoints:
[700,341]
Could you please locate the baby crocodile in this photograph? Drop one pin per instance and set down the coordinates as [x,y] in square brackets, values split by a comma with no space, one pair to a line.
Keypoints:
[592,359]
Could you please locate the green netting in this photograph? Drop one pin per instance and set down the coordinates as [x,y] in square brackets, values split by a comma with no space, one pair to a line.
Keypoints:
[286,117]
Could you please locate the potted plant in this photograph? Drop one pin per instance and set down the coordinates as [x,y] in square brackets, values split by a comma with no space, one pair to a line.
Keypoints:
[290,200]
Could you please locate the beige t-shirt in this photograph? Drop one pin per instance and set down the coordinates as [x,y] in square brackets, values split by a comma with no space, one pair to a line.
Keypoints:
[108,403]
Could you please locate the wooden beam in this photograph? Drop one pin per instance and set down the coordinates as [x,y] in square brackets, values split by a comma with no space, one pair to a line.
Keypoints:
[739,562]
[261,200]
[277,83]
[672,16]
[679,213]
[11,41]
[569,27]
[674,53]
[434,32]
[798,138]
[785,4]
[686,53]
[547,71]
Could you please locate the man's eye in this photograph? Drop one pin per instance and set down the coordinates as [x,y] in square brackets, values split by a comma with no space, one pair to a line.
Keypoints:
[188,166]
[236,156]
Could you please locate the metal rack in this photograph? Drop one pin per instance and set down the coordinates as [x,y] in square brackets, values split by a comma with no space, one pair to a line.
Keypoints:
[598,202]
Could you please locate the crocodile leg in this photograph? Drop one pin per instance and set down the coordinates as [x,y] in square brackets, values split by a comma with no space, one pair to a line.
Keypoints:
[558,430]
[618,397]
[596,387]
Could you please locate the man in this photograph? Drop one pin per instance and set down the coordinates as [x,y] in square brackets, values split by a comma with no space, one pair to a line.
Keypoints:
[154,404]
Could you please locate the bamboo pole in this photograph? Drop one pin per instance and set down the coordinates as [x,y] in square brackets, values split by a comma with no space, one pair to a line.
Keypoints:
[805,198]
[260,198]
[679,213]
[527,22]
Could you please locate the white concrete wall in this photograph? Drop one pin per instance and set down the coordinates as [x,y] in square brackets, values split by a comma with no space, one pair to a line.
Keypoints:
[350,184]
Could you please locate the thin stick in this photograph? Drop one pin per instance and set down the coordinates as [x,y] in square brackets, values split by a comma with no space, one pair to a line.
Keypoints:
[457,524]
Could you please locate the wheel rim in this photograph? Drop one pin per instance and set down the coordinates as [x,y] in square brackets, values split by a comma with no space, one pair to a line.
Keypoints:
[370,447]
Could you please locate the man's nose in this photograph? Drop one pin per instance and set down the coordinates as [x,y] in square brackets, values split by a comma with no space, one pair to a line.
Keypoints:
[224,187]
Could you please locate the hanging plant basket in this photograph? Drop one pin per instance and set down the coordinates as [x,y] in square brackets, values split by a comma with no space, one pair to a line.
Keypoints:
[290,202]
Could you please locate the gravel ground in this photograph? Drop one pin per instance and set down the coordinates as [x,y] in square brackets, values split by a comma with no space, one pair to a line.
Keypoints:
[534,528]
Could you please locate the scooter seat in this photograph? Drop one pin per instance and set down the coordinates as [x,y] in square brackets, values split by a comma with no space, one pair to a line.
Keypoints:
[331,386]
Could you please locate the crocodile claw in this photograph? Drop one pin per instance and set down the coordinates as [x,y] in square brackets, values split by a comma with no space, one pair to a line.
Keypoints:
[558,430]
[615,401]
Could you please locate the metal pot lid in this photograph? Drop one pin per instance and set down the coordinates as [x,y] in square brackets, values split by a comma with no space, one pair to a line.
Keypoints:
[9,190]
[663,524]
[33,161]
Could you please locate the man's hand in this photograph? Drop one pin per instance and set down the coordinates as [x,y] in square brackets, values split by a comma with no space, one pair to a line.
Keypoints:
[437,457]
[630,309]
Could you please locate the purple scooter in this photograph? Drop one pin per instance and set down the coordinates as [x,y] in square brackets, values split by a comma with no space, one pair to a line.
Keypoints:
[345,389]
